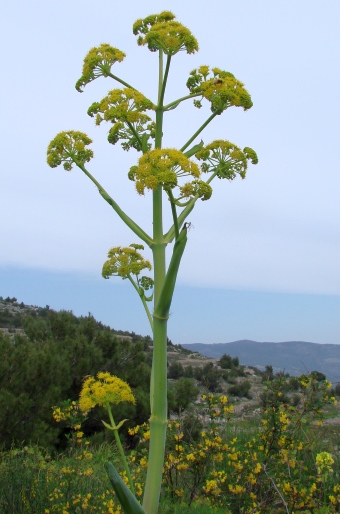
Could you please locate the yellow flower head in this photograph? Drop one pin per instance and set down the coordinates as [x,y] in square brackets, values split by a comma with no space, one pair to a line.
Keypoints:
[324,462]
[162,167]
[126,105]
[126,261]
[225,158]
[196,188]
[222,89]
[69,147]
[98,63]
[161,32]
[107,389]
[125,109]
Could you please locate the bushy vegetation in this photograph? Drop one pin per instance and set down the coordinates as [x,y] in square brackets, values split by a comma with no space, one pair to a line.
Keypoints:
[48,365]
[281,459]
[276,462]
[181,394]
[241,389]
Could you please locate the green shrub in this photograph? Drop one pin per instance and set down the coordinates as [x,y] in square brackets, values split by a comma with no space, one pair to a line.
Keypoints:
[240,389]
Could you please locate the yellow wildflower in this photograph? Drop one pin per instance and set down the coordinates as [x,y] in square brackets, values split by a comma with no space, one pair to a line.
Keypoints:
[108,389]
[324,462]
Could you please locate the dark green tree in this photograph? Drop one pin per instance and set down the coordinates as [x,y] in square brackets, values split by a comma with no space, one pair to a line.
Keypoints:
[228,362]
[175,370]
[181,394]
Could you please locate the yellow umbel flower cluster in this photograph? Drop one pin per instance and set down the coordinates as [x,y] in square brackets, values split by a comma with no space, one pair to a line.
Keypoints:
[125,261]
[98,63]
[162,167]
[126,105]
[324,462]
[125,109]
[61,415]
[67,148]
[221,89]
[226,159]
[161,32]
[106,390]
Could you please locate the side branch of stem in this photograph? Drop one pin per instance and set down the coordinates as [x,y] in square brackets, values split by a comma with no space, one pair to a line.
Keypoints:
[120,80]
[124,217]
[175,103]
[202,127]
[142,297]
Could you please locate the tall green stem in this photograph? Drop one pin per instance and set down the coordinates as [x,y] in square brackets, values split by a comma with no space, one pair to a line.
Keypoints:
[158,395]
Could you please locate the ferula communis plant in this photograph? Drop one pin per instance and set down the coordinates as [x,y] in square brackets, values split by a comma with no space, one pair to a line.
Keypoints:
[182,175]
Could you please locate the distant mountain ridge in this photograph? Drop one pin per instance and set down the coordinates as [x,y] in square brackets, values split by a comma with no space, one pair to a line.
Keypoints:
[294,357]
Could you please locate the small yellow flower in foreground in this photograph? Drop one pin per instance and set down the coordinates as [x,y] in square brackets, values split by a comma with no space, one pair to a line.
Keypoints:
[332,499]
[107,389]
[144,462]
[324,462]
[258,468]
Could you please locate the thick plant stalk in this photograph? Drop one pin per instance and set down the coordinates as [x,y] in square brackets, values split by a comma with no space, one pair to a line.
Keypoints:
[158,395]
[158,419]
[164,284]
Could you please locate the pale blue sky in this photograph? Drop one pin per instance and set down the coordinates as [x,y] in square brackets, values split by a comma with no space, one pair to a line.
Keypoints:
[269,245]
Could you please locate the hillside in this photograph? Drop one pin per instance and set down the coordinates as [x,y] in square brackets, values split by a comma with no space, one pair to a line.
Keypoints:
[293,357]
[13,313]
[45,356]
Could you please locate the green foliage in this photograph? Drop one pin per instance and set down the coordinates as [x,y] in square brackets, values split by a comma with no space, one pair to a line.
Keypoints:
[281,462]
[228,362]
[192,426]
[209,376]
[181,394]
[175,370]
[189,371]
[47,366]
[241,389]
[335,391]
[268,373]
[320,377]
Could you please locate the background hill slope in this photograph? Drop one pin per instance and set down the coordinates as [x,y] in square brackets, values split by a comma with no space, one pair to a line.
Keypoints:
[294,357]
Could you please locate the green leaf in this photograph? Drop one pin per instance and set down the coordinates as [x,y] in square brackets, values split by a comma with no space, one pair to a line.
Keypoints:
[127,500]
[193,150]
[164,302]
